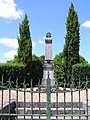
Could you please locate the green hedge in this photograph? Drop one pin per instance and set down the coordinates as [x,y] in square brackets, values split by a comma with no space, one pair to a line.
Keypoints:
[81,72]
[12,72]
[37,72]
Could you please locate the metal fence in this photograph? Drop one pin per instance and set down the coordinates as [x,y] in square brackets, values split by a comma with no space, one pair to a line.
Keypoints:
[44,103]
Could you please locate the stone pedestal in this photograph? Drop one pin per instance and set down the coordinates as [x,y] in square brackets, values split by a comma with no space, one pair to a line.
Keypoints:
[48,67]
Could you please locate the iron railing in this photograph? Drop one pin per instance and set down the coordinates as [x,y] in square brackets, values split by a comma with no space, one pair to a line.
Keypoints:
[41,97]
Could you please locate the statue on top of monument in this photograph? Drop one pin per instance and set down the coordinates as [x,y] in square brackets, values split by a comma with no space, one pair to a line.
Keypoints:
[48,35]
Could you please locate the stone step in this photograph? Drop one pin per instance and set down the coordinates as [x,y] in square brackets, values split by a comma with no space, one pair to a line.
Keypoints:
[52,118]
[53,111]
[34,109]
[53,104]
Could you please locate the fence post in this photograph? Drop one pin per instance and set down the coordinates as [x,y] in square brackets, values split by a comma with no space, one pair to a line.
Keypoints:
[48,98]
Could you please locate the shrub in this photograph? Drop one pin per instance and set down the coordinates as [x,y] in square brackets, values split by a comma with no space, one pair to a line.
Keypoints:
[12,72]
[81,72]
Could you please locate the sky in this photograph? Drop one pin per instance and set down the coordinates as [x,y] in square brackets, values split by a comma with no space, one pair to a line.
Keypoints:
[44,16]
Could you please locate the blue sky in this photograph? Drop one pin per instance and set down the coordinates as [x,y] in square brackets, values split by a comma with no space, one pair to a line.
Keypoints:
[44,16]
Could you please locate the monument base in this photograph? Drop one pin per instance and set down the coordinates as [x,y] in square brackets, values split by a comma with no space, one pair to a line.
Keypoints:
[53,89]
[48,69]
[44,82]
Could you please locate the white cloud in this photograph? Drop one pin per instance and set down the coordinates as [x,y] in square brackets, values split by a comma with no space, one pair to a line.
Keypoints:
[33,44]
[42,41]
[13,43]
[8,42]
[3,60]
[86,24]
[10,55]
[8,10]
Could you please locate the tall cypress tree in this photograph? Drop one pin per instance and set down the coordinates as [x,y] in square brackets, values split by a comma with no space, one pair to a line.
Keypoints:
[25,45]
[72,39]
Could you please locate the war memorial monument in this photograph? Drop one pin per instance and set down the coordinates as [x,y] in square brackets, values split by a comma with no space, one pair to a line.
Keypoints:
[48,65]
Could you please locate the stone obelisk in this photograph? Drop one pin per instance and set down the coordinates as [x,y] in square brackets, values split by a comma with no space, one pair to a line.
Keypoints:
[48,65]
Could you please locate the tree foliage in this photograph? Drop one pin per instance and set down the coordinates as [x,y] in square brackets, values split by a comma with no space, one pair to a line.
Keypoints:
[24,42]
[81,74]
[33,64]
[37,66]
[72,39]
[37,70]
[59,69]
[12,72]
[25,46]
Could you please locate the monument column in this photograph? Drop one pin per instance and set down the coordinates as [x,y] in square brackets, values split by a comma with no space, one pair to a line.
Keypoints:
[48,65]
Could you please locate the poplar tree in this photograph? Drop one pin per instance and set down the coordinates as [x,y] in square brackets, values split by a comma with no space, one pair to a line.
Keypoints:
[72,39]
[25,45]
